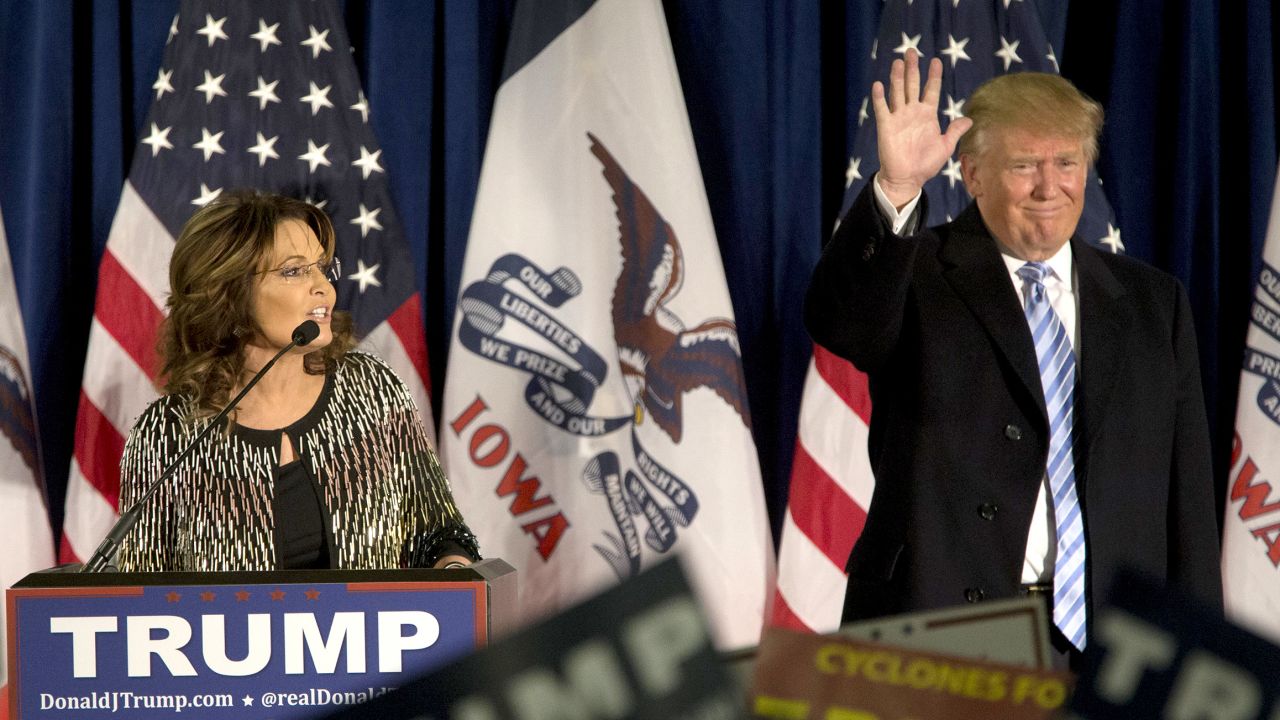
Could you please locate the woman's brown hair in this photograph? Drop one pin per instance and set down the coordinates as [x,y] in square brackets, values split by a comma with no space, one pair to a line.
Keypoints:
[212,276]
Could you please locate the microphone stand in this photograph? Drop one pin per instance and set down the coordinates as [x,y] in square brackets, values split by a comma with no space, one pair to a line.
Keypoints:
[302,335]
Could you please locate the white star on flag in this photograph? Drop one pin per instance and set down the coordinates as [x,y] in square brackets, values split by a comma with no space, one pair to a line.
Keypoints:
[173,30]
[315,155]
[1112,239]
[212,29]
[952,171]
[206,195]
[266,93]
[365,275]
[862,112]
[1008,52]
[908,43]
[163,83]
[317,41]
[1051,57]
[318,97]
[265,149]
[211,86]
[362,106]
[367,219]
[158,139]
[210,144]
[368,162]
[954,109]
[266,34]
[852,173]
[955,50]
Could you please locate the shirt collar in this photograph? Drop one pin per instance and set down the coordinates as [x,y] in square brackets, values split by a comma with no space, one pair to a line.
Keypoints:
[1060,264]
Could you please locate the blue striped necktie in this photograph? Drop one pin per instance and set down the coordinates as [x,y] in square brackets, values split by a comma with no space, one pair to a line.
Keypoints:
[1058,379]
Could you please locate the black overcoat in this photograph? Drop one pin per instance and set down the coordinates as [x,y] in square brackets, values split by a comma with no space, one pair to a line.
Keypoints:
[959,433]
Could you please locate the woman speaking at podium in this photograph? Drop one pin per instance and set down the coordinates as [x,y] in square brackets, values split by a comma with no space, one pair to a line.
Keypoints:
[325,462]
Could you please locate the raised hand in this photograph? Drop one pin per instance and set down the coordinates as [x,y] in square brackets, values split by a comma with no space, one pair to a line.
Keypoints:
[910,141]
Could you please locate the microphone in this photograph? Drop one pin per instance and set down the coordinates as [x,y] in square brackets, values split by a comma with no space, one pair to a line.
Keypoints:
[302,336]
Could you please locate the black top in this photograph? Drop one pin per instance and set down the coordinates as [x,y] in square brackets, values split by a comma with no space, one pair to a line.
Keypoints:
[301,541]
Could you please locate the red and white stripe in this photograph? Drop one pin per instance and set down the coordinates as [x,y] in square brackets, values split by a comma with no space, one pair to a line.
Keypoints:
[831,485]
[121,364]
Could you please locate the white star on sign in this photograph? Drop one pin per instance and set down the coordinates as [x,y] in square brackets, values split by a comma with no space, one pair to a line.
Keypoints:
[367,219]
[210,144]
[248,700]
[1112,240]
[908,43]
[211,86]
[158,139]
[265,149]
[955,50]
[368,162]
[162,84]
[851,173]
[318,97]
[315,155]
[1008,52]
[952,172]
[365,276]
[206,195]
[212,29]
[954,109]
[266,93]
[266,34]
[862,112]
[363,107]
[316,42]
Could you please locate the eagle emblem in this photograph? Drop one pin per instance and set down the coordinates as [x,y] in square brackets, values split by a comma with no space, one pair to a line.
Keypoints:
[17,423]
[661,358]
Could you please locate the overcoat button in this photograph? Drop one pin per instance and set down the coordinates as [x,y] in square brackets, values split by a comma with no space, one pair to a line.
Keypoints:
[1013,432]
[988,510]
[974,595]
[868,251]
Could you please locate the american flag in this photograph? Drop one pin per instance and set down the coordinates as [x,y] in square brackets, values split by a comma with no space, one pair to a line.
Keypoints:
[831,480]
[249,94]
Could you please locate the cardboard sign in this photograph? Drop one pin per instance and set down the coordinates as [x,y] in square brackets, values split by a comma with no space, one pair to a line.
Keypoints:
[815,677]
[639,650]
[1157,654]
[1014,632]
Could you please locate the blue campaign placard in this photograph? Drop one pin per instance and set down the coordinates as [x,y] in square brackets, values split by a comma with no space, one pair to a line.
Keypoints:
[243,651]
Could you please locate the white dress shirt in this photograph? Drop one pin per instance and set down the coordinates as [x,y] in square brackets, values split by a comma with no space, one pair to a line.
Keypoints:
[1060,285]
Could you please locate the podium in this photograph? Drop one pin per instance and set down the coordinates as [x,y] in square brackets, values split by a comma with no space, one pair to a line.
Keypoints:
[242,645]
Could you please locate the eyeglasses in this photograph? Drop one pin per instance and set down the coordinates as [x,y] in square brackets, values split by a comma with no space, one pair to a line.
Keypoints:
[293,273]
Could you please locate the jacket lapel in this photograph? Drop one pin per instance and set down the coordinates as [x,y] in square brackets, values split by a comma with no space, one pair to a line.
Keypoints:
[1104,323]
[973,266]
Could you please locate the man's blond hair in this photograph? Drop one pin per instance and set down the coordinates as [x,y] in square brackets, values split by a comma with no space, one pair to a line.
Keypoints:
[1040,103]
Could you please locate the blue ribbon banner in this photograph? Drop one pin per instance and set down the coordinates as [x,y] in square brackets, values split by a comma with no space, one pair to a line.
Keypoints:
[560,394]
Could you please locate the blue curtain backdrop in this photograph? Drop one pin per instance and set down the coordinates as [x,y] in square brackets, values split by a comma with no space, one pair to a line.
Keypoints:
[773,89]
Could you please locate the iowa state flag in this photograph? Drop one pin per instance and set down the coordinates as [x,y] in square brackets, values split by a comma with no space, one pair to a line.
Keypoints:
[26,543]
[1251,529]
[249,94]
[595,418]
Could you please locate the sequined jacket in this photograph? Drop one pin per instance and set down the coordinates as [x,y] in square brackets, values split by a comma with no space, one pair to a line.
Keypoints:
[385,500]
